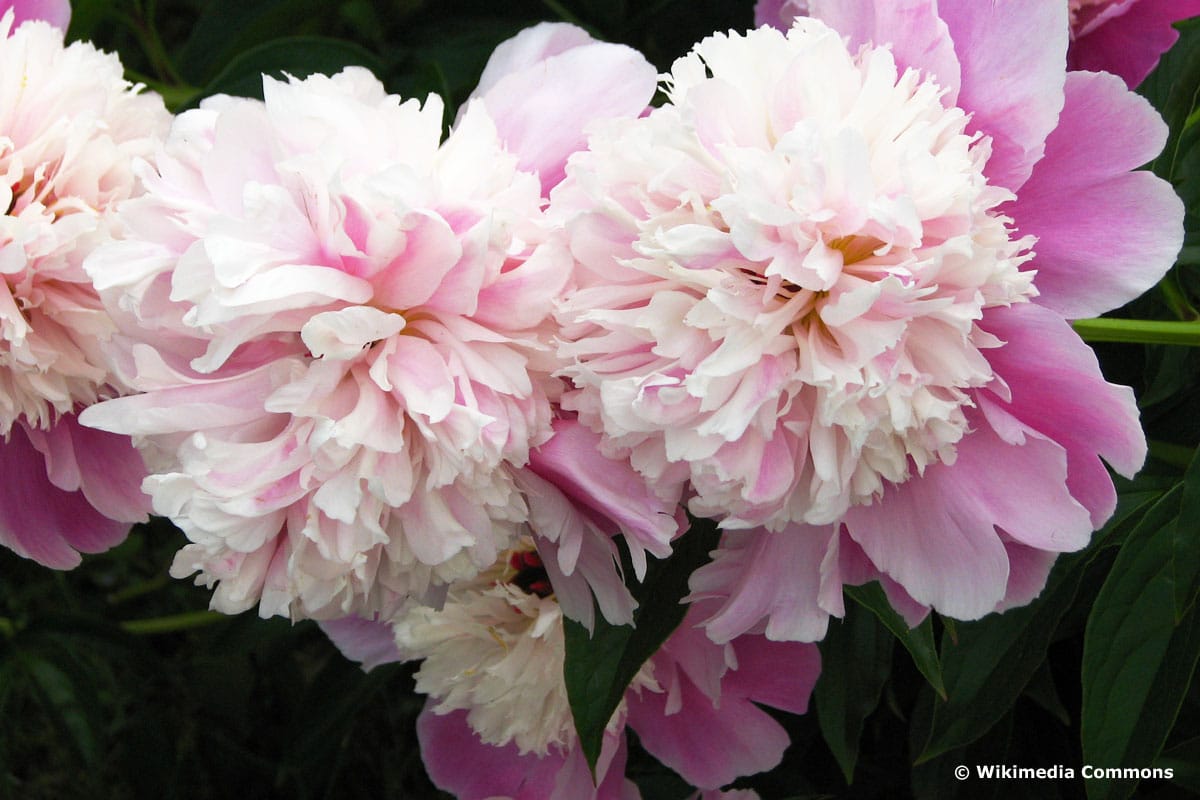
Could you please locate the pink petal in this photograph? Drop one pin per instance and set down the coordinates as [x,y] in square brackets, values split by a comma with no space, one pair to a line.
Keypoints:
[38,520]
[918,37]
[1057,388]
[609,489]
[460,763]
[1028,570]
[936,534]
[1129,44]
[1025,41]
[56,12]
[759,676]
[110,468]
[777,13]
[580,560]
[767,577]
[709,744]
[544,89]
[1105,235]
[367,641]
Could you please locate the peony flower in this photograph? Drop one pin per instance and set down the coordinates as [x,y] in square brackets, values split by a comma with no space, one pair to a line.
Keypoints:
[341,335]
[493,669]
[70,127]
[1124,37]
[829,280]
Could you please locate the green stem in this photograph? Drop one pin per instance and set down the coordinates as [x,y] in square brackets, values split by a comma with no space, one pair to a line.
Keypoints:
[139,589]
[1139,331]
[172,623]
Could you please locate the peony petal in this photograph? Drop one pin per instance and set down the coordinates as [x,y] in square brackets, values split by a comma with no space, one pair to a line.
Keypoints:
[1105,235]
[611,490]
[459,763]
[709,744]
[918,37]
[367,641]
[1026,42]
[38,520]
[766,577]
[1056,387]
[56,12]
[547,85]
[1129,44]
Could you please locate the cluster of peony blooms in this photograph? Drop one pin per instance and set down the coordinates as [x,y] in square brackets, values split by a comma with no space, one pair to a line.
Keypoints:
[427,389]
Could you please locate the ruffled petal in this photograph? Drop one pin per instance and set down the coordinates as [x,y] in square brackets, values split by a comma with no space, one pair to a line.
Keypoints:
[918,37]
[768,582]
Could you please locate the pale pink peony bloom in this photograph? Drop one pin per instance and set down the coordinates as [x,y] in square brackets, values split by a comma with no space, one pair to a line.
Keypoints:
[829,279]
[55,12]
[70,128]
[341,330]
[494,670]
[1124,37]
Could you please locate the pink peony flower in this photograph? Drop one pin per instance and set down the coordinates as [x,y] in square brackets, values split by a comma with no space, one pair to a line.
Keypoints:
[341,332]
[1124,37]
[828,280]
[70,127]
[494,671]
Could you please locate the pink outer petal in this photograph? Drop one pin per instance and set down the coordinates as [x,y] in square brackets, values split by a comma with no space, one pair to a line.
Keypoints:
[460,763]
[38,520]
[1057,387]
[712,741]
[936,534]
[367,641]
[1130,44]
[1025,42]
[543,92]
[1105,235]
[769,577]
[918,37]
[56,12]
[104,466]
[1028,570]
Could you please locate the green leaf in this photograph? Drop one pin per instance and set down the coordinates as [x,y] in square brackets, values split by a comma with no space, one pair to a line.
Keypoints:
[1138,658]
[227,28]
[599,667]
[1185,542]
[917,641]
[1184,761]
[856,660]
[299,56]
